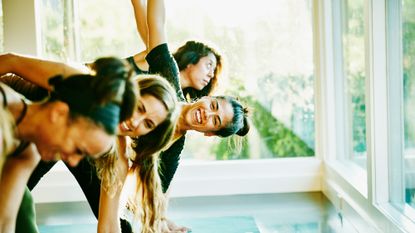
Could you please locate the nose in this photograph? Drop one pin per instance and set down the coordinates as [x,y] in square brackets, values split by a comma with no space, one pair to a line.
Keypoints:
[209,113]
[211,73]
[136,120]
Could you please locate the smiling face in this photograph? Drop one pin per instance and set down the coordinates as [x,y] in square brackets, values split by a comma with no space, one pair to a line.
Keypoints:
[202,72]
[149,114]
[208,115]
[70,140]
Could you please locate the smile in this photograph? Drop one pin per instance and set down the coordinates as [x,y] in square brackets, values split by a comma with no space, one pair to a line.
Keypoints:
[125,127]
[198,116]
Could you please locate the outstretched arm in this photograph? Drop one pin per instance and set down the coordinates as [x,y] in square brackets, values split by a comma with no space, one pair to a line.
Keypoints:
[156,20]
[35,70]
[140,14]
[108,218]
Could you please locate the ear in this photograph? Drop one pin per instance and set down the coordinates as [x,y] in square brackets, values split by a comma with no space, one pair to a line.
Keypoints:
[209,134]
[59,111]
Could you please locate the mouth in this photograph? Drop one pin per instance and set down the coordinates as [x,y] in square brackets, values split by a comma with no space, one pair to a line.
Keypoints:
[124,127]
[198,116]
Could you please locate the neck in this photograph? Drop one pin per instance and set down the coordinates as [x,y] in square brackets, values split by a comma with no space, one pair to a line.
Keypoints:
[27,129]
[184,80]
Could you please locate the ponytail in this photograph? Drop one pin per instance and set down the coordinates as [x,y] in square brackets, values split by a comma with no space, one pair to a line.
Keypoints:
[106,98]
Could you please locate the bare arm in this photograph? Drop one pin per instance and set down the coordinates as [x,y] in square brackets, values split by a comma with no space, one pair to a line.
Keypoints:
[140,13]
[15,175]
[156,19]
[108,218]
[35,70]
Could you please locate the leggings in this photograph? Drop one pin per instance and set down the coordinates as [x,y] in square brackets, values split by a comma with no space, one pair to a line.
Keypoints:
[86,176]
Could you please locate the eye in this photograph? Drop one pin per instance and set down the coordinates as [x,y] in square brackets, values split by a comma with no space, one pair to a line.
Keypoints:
[216,121]
[79,152]
[148,124]
[141,108]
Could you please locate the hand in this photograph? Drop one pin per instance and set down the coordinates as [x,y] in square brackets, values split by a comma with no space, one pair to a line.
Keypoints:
[173,228]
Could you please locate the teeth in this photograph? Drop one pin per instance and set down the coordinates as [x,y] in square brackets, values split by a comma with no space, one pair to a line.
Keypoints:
[199,119]
[125,126]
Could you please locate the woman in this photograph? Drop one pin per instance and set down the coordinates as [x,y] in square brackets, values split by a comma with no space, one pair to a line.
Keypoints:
[191,60]
[79,119]
[200,64]
[221,116]
[154,118]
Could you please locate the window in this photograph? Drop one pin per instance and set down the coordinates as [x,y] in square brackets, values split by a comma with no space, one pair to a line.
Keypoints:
[408,44]
[269,51]
[354,72]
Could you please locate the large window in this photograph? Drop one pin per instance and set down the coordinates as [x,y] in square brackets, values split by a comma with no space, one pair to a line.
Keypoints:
[354,73]
[269,51]
[408,44]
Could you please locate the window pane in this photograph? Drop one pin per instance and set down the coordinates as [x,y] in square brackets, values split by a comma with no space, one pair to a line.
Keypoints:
[269,53]
[354,70]
[270,57]
[408,31]
[107,31]
[52,36]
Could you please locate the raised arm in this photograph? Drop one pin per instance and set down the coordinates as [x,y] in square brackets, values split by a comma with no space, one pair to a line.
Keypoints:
[140,14]
[35,70]
[156,20]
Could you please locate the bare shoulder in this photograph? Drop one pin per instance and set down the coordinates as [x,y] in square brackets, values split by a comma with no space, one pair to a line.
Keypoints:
[11,95]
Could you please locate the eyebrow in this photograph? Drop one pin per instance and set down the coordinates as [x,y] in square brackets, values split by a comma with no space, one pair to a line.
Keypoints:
[143,106]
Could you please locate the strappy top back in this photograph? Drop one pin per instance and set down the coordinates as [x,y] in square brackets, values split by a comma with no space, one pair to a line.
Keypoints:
[23,144]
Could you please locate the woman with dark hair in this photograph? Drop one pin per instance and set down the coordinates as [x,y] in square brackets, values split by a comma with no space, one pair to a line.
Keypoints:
[200,64]
[79,119]
[154,117]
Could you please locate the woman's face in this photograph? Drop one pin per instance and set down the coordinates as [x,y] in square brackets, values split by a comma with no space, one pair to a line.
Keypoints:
[149,114]
[208,115]
[72,140]
[202,72]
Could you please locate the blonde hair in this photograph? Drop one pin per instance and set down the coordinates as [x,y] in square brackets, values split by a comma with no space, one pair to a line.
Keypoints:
[6,135]
[150,194]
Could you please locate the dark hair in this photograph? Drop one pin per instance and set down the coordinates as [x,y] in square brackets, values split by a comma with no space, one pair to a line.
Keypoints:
[239,124]
[106,97]
[191,53]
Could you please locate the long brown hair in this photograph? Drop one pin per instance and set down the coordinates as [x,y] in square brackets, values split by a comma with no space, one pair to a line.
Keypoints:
[190,53]
[146,150]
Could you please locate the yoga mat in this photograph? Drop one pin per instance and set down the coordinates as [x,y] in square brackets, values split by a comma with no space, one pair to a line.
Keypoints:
[73,228]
